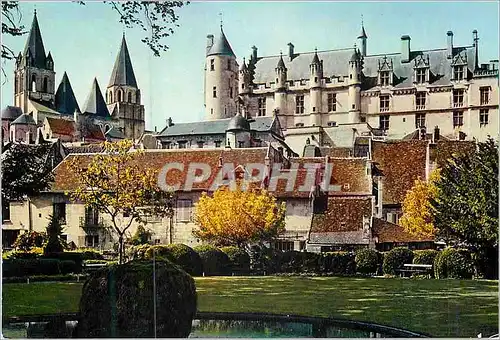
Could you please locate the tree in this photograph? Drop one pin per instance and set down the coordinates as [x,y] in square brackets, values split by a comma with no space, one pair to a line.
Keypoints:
[238,217]
[115,183]
[417,216]
[28,240]
[465,208]
[141,236]
[54,230]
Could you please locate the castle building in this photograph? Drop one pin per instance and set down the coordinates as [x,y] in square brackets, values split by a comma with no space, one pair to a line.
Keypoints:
[334,96]
[57,113]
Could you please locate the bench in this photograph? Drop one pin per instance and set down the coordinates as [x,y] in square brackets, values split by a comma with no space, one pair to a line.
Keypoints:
[411,269]
[93,266]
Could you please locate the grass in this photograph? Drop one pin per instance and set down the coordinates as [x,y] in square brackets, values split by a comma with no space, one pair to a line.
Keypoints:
[442,308]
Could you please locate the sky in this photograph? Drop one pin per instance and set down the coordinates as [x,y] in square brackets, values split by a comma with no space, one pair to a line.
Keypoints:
[84,41]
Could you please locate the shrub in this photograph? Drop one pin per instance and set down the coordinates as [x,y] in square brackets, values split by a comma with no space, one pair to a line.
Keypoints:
[28,267]
[265,260]
[395,259]
[44,278]
[89,254]
[453,263]
[367,261]
[214,261]
[180,254]
[28,240]
[337,263]
[138,252]
[54,231]
[126,310]
[290,262]
[141,236]
[310,262]
[33,253]
[49,267]
[68,256]
[238,258]
[68,266]
[424,256]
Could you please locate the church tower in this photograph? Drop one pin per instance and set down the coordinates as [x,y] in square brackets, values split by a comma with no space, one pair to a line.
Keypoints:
[123,97]
[34,76]
[221,78]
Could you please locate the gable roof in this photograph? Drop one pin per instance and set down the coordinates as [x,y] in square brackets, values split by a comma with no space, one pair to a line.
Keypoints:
[34,46]
[24,119]
[387,232]
[95,103]
[123,72]
[221,46]
[65,100]
[61,126]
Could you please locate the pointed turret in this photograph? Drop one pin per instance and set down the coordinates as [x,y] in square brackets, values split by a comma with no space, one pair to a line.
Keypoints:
[244,79]
[123,72]
[49,62]
[65,97]
[281,63]
[221,46]
[34,45]
[281,76]
[95,102]
[362,39]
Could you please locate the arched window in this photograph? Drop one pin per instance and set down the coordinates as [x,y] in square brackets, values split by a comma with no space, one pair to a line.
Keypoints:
[33,83]
[16,84]
[110,96]
[130,97]
[119,95]
[45,85]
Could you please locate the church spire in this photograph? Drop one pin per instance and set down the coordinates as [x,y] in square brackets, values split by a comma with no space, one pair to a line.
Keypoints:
[95,103]
[65,97]
[34,46]
[123,72]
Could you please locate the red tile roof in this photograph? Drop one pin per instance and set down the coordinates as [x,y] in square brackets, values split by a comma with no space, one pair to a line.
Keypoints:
[401,163]
[61,126]
[386,232]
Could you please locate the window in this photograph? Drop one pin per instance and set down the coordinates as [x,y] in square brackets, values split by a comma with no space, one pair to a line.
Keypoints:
[315,79]
[91,216]
[214,92]
[458,119]
[483,117]
[262,106]
[138,97]
[184,210]
[332,123]
[91,241]
[200,145]
[458,98]
[241,144]
[130,97]
[384,103]
[5,211]
[384,122]
[283,245]
[299,124]
[485,95]
[230,91]
[420,120]
[59,212]
[218,143]
[458,72]
[420,99]
[384,78]
[242,86]
[212,65]
[45,87]
[110,96]
[332,102]
[420,74]
[33,83]
[211,111]
[181,145]
[229,64]
[299,104]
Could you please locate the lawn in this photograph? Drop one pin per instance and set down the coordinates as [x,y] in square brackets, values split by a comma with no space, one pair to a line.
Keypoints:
[444,308]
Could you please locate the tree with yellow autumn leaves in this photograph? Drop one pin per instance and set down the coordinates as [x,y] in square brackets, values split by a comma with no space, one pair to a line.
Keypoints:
[238,217]
[114,183]
[417,216]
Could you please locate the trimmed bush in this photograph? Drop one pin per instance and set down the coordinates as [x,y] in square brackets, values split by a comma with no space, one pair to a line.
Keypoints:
[49,267]
[45,278]
[424,256]
[214,261]
[454,264]
[29,267]
[33,253]
[367,261]
[395,259]
[341,262]
[265,260]
[238,258]
[89,254]
[310,262]
[117,301]
[290,262]
[180,254]
[68,256]
[68,267]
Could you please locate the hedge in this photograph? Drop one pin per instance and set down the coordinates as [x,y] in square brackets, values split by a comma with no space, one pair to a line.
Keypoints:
[180,254]
[214,261]
[341,262]
[367,261]
[424,256]
[68,256]
[265,260]
[29,267]
[453,263]
[45,278]
[33,253]
[238,258]
[395,259]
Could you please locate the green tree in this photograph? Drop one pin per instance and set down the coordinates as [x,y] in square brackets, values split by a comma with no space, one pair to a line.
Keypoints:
[54,230]
[465,208]
[141,236]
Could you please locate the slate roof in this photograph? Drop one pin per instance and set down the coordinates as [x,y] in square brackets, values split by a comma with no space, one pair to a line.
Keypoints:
[115,133]
[238,122]
[123,72]
[11,112]
[387,232]
[221,46]
[86,148]
[214,127]
[24,119]
[95,103]
[34,46]
[42,107]
[65,100]
[336,63]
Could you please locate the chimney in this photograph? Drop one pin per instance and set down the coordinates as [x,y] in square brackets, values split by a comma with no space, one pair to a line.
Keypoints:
[254,53]
[290,51]
[210,41]
[169,122]
[449,46]
[405,48]
[476,51]
[436,134]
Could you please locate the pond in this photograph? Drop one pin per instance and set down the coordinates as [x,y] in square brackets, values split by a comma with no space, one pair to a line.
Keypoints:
[233,325]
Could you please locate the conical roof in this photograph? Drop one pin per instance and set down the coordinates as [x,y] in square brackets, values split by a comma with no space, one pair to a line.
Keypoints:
[65,97]
[281,62]
[34,45]
[243,66]
[95,103]
[221,46]
[238,122]
[123,72]
[363,33]
[316,58]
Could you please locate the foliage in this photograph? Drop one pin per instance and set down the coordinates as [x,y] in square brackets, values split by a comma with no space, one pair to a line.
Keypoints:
[367,261]
[116,302]
[89,254]
[54,232]
[264,260]
[68,256]
[454,264]
[215,262]
[238,258]
[45,278]
[395,259]
[466,206]
[33,253]
[417,211]
[426,256]
[28,240]
[141,236]
[115,183]
[238,217]
[341,262]
[29,267]
[26,169]
[68,267]
[180,254]
[138,252]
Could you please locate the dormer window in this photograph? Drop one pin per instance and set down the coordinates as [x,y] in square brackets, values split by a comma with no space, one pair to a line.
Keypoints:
[385,72]
[384,78]
[458,73]
[421,69]
[459,67]
[420,75]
